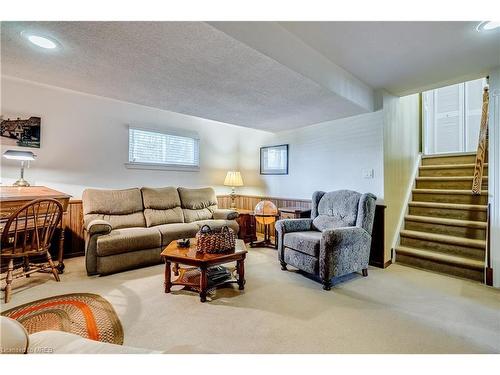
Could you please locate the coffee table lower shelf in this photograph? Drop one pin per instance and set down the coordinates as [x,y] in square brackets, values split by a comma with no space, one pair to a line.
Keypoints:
[190,277]
[196,279]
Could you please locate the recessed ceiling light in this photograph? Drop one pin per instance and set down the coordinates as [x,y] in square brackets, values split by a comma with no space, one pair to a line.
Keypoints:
[488,25]
[40,41]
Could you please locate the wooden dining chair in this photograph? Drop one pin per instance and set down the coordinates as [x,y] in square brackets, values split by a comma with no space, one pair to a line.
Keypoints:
[28,234]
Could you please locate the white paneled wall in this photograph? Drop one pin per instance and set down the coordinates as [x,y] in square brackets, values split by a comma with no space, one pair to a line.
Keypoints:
[332,155]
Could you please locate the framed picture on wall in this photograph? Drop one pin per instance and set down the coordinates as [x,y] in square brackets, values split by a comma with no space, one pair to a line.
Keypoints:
[274,159]
[20,132]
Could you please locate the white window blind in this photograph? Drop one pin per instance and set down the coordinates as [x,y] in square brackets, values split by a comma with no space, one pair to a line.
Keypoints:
[163,149]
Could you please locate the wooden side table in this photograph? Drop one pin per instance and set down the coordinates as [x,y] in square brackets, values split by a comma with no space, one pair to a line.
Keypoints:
[294,212]
[248,226]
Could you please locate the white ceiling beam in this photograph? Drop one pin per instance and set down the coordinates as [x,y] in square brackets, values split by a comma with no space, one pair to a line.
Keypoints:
[276,42]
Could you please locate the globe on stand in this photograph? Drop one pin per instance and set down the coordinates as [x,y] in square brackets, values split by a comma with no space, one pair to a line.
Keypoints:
[265,213]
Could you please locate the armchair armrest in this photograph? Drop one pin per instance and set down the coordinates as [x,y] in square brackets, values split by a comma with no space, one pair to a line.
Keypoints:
[98,226]
[343,250]
[293,225]
[344,236]
[225,214]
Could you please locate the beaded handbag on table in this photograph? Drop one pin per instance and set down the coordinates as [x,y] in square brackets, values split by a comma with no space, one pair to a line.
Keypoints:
[215,241]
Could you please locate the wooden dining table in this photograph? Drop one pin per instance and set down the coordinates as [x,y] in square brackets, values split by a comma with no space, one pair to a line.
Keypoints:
[14,197]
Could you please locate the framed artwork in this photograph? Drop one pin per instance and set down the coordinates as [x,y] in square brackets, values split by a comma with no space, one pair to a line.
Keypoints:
[274,159]
[20,132]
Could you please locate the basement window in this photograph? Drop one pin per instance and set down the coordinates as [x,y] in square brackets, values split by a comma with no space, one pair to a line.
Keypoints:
[169,150]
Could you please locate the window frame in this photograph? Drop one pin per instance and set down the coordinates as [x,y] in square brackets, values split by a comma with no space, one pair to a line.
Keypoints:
[163,166]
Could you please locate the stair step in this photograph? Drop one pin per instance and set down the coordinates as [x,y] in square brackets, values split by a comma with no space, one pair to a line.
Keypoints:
[448,182]
[450,196]
[470,212]
[450,170]
[445,221]
[440,257]
[459,158]
[444,243]
[446,226]
[442,263]
[442,238]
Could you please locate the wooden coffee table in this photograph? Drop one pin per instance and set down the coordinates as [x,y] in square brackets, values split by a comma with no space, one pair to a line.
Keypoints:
[190,257]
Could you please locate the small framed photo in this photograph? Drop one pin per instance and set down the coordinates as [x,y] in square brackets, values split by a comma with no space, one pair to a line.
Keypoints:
[274,159]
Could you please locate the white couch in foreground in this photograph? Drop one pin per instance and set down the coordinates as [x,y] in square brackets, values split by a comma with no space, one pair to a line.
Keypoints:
[16,340]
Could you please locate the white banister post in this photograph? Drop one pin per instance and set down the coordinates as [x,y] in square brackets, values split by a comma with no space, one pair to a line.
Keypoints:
[494,172]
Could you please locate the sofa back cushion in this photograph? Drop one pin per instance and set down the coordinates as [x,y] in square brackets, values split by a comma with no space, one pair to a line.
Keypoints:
[197,204]
[162,206]
[121,208]
[337,209]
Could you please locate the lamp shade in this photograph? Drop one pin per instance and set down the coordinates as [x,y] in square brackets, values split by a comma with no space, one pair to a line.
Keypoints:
[19,155]
[233,178]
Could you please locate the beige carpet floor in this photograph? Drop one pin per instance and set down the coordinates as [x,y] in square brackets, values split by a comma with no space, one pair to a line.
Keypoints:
[396,310]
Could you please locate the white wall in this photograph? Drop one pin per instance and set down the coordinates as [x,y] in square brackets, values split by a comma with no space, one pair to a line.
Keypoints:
[401,152]
[494,172]
[84,142]
[331,156]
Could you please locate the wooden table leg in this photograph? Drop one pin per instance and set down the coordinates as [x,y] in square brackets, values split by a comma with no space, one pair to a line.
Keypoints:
[240,265]
[203,284]
[168,282]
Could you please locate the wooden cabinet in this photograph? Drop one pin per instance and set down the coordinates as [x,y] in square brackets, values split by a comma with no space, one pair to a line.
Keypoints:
[248,226]
[294,213]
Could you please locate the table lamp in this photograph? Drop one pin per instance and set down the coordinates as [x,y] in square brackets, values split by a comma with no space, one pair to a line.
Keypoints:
[24,156]
[233,179]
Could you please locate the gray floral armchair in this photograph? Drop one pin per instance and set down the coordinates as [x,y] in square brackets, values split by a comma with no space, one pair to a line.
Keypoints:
[335,241]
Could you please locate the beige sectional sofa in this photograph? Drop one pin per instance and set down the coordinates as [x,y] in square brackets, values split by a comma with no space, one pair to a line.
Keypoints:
[129,228]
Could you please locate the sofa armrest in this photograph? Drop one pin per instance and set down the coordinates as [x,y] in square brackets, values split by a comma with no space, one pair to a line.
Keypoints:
[225,214]
[98,226]
[293,225]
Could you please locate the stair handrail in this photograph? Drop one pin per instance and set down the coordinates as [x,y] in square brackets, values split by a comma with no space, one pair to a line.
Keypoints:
[481,146]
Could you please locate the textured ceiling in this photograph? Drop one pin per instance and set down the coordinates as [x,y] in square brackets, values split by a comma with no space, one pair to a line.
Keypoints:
[187,67]
[403,57]
[271,76]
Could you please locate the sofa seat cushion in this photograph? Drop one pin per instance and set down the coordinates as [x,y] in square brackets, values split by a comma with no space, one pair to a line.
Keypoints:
[306,242]
[217,224]
[128,239]
[172,232]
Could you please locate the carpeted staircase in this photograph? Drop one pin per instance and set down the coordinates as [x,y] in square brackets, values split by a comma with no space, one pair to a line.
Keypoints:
[445,225]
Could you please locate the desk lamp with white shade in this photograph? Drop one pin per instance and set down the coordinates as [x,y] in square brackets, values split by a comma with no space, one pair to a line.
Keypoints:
[23,156]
